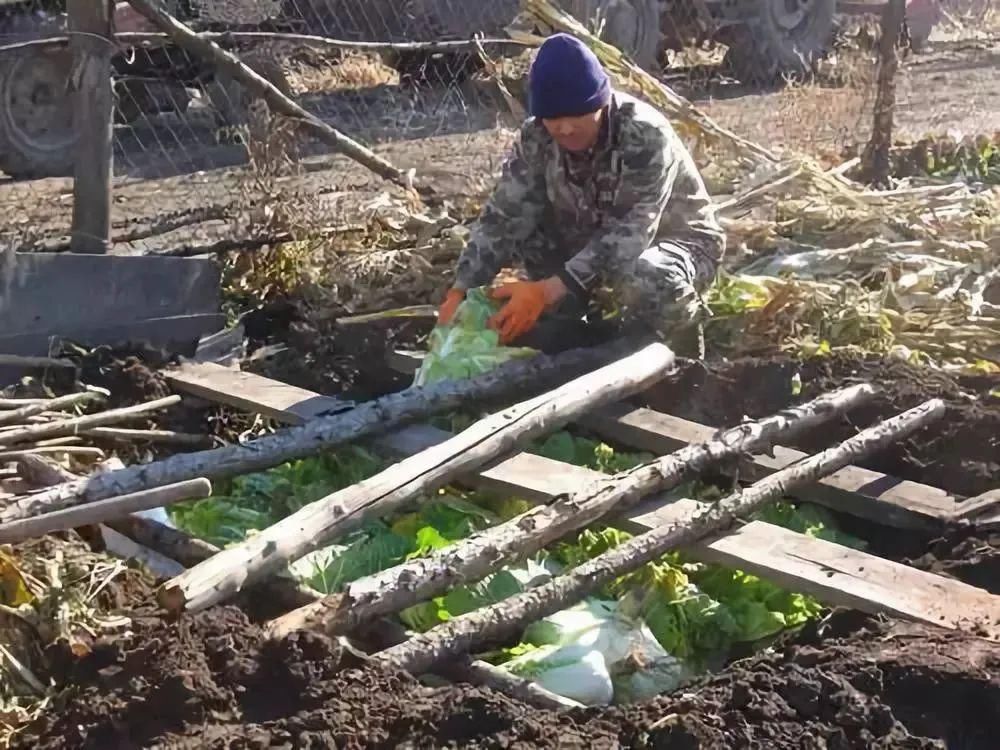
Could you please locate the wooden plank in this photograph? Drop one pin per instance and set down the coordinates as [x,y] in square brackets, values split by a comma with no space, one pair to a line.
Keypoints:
[525,475]
[836,575]
[252,393]
[860,492]
[871,584]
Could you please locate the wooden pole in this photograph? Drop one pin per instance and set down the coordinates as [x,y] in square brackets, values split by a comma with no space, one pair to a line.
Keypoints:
[79,424]
[229,63]
[506,619]
[876,159]
[498,434]
[93,112]
[18,416]
[371,418]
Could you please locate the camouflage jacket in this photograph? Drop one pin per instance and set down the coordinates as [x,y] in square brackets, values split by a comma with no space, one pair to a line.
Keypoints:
[591,215]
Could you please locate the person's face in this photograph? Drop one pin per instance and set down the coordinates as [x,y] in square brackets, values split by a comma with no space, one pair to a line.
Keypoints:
[575,133]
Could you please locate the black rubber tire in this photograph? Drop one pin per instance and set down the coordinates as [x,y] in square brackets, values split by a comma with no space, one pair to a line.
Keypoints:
[761,51]
[632,26]
[26,155]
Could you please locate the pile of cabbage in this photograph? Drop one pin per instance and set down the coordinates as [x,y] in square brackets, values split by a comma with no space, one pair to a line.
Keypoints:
[645,634]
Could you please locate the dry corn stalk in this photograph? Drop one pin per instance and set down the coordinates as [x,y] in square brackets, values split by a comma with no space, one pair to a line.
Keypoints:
[689,119]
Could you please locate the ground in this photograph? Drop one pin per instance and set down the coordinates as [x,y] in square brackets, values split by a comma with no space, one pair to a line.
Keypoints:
[212,680]
[451,139]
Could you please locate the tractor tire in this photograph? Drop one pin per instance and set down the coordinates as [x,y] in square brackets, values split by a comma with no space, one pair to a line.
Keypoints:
[781,38]
[37,133]
[633,26]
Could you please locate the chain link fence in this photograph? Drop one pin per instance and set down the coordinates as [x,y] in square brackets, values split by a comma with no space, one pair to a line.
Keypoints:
[199,161]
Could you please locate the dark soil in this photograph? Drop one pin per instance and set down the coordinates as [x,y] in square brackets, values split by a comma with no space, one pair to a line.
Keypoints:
[337,360]
[973,558]
[883,686]
[211,681]
[959,453]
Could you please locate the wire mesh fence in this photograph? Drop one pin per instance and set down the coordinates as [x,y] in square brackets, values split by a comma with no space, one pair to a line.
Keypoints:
[199,160]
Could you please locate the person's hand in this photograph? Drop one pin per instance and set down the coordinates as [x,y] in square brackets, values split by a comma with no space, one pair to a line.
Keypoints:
[451,302]
[527,300]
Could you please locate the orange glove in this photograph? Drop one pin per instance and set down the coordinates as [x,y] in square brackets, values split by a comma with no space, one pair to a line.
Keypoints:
[528,300]
[451,302]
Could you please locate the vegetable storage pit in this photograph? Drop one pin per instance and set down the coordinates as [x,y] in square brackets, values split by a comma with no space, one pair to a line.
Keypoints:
[742,662]
[213,681]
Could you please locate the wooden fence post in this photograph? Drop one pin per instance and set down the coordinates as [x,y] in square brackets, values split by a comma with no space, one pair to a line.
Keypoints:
[93,112]
[876,159]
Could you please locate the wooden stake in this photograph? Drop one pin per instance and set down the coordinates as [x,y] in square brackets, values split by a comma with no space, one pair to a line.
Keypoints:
[382,634]
[19,415]
[309,528]
[474,558]
[506,619]
[876,157]
[79,424]
[93,111]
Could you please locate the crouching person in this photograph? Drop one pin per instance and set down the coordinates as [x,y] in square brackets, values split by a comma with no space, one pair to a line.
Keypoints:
[599,194]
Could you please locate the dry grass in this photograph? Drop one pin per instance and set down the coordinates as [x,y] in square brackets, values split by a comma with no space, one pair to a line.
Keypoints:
[825,117]
[321,74]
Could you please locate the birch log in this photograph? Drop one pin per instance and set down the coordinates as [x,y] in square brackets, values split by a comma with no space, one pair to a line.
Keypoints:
[500,433]
[505,620]
[168,541]
[371,418]
[472,559]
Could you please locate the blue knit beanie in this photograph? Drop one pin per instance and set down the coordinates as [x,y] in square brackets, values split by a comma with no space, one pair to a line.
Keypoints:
[567,79]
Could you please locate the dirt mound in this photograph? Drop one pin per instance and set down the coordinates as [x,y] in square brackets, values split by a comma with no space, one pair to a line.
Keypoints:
[974,559]
[212,681]
[899,686]
[347,361]
[960,452]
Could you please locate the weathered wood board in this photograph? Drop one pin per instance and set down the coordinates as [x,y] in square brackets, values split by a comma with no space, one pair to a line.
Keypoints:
[836,575]
[252,393]
[860,492]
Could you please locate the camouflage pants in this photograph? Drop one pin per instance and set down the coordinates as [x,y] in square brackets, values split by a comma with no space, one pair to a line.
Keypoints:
[641,301]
